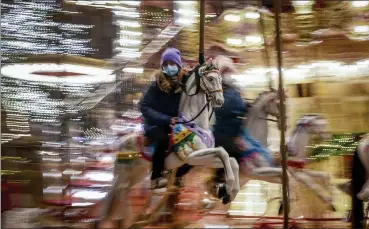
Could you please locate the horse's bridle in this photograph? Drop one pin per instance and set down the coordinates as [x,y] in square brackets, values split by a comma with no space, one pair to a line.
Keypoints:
[209,96]
[269,119]
[207,91]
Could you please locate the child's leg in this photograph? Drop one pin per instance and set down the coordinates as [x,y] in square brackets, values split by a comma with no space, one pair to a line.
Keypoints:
[158,160]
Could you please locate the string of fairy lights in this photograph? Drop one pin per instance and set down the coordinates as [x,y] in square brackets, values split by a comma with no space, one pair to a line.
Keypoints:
[339,145]
[27,28]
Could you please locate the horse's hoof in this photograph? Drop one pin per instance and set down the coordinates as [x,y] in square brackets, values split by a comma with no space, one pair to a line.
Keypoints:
[222,191]
[226,199]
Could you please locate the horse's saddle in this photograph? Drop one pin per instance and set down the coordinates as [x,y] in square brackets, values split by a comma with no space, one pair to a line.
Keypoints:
[180,133]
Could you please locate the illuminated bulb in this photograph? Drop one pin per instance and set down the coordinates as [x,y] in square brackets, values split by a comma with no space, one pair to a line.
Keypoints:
[130,3]
[253,39]
[306,66]
[129,42]
[127,14]
[185,21]
[133,24]
[89,75]
[133,70]
[232,18]
[303,7]
[252,15]
[84,2]
[358,4]
[234,41]
[361,29]
[302,3]
[187,12]
[131,33]
[186,3]
[89,195]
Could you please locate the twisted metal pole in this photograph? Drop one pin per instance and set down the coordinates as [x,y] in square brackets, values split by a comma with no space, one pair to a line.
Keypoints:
[202,33]
[282,110]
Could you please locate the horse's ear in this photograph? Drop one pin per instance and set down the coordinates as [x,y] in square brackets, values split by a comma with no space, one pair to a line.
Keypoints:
[210,62]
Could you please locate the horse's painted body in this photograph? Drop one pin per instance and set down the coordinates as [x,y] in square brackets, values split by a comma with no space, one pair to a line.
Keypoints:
[256,167]
[257,126]
[193,143]
[297,142]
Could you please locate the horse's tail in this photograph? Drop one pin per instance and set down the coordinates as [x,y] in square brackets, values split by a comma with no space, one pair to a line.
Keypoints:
[358,180]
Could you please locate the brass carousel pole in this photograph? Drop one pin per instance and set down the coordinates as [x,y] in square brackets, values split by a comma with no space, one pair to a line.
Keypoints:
[202,33]
[282,110]
[266,53]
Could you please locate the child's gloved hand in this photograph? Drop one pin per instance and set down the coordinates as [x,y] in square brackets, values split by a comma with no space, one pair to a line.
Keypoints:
[173,121]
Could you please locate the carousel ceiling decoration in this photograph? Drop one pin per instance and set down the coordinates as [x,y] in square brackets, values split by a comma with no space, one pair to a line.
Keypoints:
[58,73]
[240,28]
[305,20]
[27,28]
[35,94]
[127,18]
[359,26]
[130,33]
[185,12]
[334,70]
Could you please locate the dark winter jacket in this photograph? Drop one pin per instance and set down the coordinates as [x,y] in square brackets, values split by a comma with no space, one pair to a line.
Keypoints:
[228,121]
[158,108]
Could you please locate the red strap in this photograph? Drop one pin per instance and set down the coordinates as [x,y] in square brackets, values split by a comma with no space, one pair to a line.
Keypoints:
[139,142]
[296,164]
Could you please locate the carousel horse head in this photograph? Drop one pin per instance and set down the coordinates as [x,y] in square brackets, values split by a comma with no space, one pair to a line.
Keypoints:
[268,102]
[211,83]
[315,124]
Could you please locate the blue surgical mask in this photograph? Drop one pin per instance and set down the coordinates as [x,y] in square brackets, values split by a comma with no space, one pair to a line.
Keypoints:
[170,70]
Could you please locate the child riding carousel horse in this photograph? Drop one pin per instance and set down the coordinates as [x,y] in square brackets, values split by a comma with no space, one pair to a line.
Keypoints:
[159,108]
[229,131]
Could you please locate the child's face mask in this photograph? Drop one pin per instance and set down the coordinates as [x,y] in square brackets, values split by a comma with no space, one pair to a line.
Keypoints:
[170,70]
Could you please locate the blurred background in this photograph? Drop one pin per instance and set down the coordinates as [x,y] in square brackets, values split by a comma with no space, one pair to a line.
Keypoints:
[73,72]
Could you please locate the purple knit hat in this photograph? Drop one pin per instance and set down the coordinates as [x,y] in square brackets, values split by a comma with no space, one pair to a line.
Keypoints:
[171,54]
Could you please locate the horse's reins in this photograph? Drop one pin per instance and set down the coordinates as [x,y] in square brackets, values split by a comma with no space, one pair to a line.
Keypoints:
[268,119]
[209,96]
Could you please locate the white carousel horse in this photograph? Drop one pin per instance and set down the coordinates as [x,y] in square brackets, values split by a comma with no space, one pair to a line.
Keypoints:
[193,142]
[267,103]
[257,167]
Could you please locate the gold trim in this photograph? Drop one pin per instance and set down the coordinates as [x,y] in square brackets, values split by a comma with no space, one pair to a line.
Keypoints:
[128,155]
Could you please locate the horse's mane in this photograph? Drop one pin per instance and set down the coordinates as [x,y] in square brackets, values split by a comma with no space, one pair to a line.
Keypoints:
[305,119]
[206,67]
[199,69]
[262,95]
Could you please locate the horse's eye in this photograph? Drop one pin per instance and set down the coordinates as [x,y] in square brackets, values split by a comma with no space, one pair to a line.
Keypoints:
[210,79]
